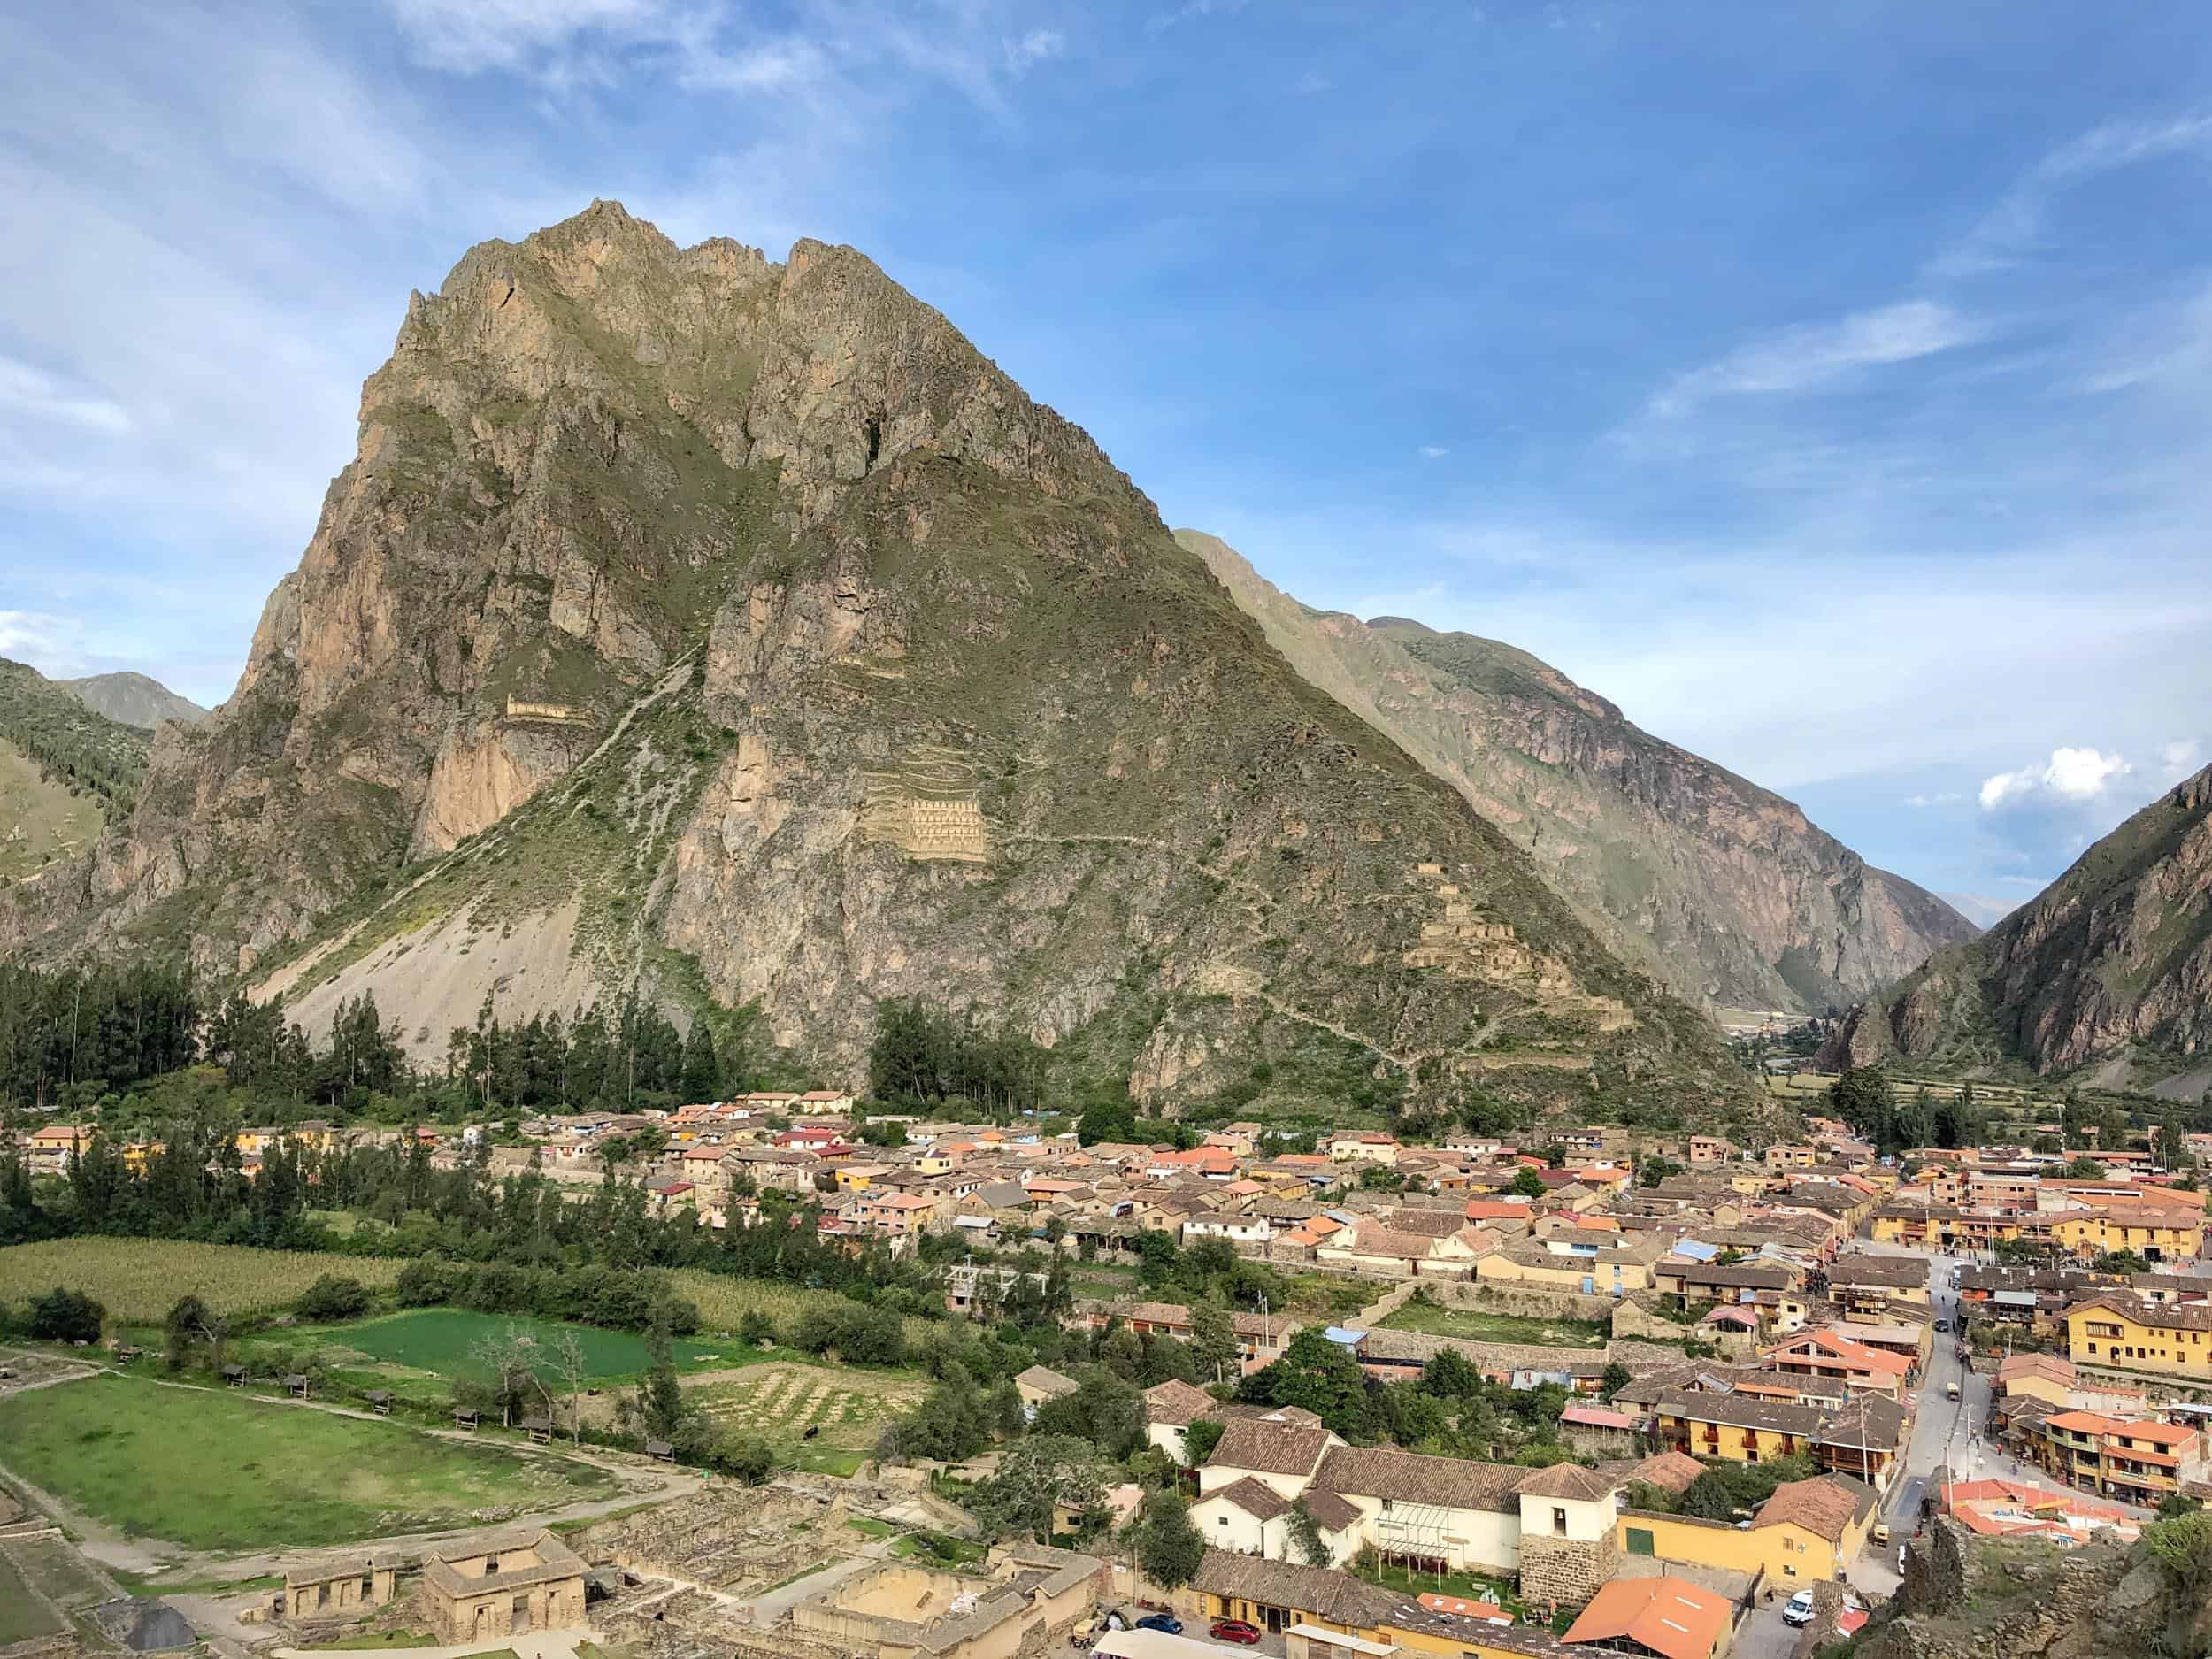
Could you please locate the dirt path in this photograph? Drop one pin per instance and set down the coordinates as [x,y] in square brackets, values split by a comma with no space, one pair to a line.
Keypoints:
[644,1483]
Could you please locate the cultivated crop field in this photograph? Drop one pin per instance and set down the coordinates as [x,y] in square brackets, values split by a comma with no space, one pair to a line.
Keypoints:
[723,1301]
[780,1402]
[1480,1324]
[443,1342]
[137,1279]
[208,1470]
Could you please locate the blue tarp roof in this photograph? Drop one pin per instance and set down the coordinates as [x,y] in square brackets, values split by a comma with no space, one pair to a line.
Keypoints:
[1695,1251]
[1340,1334]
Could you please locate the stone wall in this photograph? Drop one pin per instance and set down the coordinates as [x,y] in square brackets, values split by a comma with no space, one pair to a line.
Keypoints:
[1564,1572]
[1969,1598]
[1530,1300]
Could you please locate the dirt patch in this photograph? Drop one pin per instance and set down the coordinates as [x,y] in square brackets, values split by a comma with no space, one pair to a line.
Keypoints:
[435,978]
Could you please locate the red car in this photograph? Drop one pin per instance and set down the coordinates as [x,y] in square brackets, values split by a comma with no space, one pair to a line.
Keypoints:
[1235,1630]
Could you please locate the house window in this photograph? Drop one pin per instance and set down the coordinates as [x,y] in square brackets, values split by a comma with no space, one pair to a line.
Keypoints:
[1640,1541]
[1558,1522]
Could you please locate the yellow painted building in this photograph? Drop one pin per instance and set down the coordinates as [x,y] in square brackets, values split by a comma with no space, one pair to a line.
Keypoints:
[2159,1236]
[2172,1339]
[1814,1532]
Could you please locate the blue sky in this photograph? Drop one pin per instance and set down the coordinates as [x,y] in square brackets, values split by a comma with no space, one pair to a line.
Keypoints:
[1828,385]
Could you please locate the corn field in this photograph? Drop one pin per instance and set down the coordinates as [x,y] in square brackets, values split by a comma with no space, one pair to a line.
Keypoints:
[137,1279]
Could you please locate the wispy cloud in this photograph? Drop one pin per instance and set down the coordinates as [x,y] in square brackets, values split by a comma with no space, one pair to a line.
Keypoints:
[1817,355]
[2181,759]
[1431,452]
[1191,12]
[1920,803]
[24,391]
[2016,228]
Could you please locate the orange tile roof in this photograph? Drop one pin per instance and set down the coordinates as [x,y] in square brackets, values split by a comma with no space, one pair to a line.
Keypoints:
[1671,1617]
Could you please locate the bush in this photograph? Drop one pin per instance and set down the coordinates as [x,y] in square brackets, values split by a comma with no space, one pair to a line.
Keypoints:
[749,1460]
[334,1297]
[66,1315]
[756,1327]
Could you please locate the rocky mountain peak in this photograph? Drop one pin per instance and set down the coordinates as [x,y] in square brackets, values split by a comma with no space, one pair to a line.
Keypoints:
[736,632]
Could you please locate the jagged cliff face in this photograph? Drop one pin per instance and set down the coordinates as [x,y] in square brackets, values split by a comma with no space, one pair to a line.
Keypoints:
[735,630]
[1724,889]
[2110,965]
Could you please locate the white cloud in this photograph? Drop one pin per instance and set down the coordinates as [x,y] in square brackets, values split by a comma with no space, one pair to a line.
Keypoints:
[2071,774]
[1033,49]
[1819,354]
[1432,452]
[1946,798]
[2181,760]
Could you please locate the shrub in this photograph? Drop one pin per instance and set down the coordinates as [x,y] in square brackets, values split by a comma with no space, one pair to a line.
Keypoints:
[334,1297]
[66,1315]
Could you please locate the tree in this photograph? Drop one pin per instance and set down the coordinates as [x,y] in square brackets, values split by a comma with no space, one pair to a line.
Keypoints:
[1306,1542]
[66,1315]
[1528,1184]
[1214,1339]
[702,1076]
[2083,1168]
[1104,1410]
[1169,1547]
[1322,1376]
[1200,1438]
[1035,1477]
[660,1398]
[180,1332]
[2182,1546]
[1616,1377]
[507,1365]
[1450,1375]
[1657,1169]
[569,1366]
[2120,1262]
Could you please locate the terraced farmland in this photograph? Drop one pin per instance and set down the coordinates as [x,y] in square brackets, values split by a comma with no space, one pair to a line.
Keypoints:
[780,1402]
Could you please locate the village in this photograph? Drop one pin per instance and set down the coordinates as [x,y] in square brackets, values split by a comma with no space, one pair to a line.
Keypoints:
[1766,1374]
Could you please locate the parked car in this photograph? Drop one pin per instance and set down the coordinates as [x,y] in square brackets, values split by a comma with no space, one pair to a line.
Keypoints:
[1235,1630]
[1799,1610]
[1166,1624]
[1942,1325]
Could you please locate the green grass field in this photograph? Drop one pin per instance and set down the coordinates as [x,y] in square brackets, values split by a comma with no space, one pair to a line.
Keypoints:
[213,1471]
[1477,1325]
[22,1616]
[442,1340]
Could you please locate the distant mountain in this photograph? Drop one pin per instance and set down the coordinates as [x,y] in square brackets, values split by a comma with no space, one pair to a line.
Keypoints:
[133,700]
[732,633]
[1980,908]
[65,770]
[1723,887]
[2109,967]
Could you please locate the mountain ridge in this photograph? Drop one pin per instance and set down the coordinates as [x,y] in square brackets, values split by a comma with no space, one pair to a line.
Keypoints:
[735,631]
[2108,967]
[133,699]
[1724,889]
